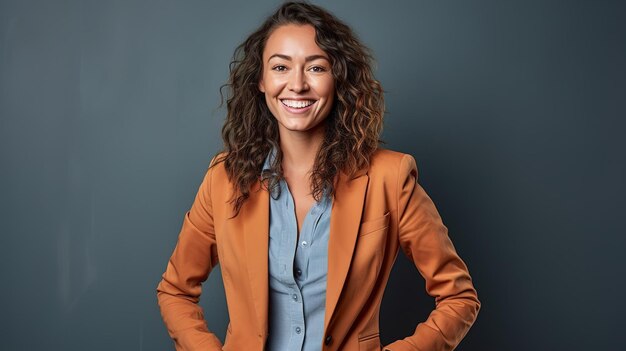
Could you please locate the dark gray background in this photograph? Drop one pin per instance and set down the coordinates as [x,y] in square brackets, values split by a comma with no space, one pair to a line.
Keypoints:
[514,112]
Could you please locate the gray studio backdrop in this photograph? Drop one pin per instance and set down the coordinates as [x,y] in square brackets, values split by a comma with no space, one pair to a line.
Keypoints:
[514,111]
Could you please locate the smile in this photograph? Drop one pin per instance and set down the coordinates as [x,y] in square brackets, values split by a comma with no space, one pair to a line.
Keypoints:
[298,104]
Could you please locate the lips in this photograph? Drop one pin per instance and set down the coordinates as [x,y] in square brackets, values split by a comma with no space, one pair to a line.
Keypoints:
[297,104]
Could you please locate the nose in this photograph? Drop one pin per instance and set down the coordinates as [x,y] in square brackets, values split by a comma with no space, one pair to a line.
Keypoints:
[297,82]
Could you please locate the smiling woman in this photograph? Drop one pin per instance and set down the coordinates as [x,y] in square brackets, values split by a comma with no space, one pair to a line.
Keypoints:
[297,80]
[299,91]
[304,211]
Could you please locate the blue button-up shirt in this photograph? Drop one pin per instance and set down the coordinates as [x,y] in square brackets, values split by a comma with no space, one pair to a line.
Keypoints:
[297,272]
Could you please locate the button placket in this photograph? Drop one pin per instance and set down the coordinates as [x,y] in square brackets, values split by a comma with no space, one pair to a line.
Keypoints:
[297,255]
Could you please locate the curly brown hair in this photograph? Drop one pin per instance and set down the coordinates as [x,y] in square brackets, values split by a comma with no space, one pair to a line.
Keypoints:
[353,127]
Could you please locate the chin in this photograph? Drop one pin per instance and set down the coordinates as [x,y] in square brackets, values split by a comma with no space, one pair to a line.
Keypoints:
[297,128]
[292,123]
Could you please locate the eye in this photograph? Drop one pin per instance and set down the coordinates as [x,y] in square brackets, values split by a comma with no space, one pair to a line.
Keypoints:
[279,68]
[318,69]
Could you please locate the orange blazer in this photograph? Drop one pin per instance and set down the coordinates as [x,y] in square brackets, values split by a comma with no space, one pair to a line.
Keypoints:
[374,214]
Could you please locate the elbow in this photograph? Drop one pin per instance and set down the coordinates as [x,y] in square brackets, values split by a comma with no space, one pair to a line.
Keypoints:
[477,306]
[466,305]
[165,293]
[473,304]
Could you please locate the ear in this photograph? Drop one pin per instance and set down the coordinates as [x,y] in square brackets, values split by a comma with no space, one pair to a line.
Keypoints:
[261,86]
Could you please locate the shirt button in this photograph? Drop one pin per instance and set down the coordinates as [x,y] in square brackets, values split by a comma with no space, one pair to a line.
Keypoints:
[298,272]
[295,297]
[304,243]
[298,330]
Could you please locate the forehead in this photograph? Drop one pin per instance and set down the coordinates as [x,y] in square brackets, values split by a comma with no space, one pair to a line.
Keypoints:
[292,40]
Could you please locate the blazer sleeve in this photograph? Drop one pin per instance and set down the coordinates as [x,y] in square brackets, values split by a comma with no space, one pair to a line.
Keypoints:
[424,239]
[193,258]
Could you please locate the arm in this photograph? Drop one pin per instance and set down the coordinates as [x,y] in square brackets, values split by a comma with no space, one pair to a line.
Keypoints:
[424,239]
[193,259]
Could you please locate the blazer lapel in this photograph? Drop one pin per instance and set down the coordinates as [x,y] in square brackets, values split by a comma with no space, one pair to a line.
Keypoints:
[255,217]
[345,219]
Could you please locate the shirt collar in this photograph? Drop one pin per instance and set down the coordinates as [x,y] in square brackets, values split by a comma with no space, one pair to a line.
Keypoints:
[269,159]
[267,165]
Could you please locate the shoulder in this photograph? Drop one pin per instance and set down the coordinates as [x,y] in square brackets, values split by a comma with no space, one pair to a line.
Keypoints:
[386,161]
[391,170]
[216,169]
[217,162]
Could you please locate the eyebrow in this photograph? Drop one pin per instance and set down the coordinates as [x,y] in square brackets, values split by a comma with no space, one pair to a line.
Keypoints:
[306,59]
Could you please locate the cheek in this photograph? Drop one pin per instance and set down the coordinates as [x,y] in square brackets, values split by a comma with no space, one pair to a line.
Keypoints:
[329,88]
[268,84]
[275,83]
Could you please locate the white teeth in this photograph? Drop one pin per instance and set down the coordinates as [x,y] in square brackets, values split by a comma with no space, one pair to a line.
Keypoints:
[298,103]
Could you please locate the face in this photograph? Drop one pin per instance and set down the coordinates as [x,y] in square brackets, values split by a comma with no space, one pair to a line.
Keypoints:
[297,79]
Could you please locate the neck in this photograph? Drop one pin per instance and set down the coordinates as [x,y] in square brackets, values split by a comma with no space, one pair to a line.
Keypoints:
[300,149]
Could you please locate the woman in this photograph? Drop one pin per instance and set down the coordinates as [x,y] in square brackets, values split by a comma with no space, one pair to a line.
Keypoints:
[303,210]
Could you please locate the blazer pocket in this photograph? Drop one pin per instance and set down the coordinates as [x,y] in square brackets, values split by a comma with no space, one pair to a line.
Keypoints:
[370,342]
[373,225]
